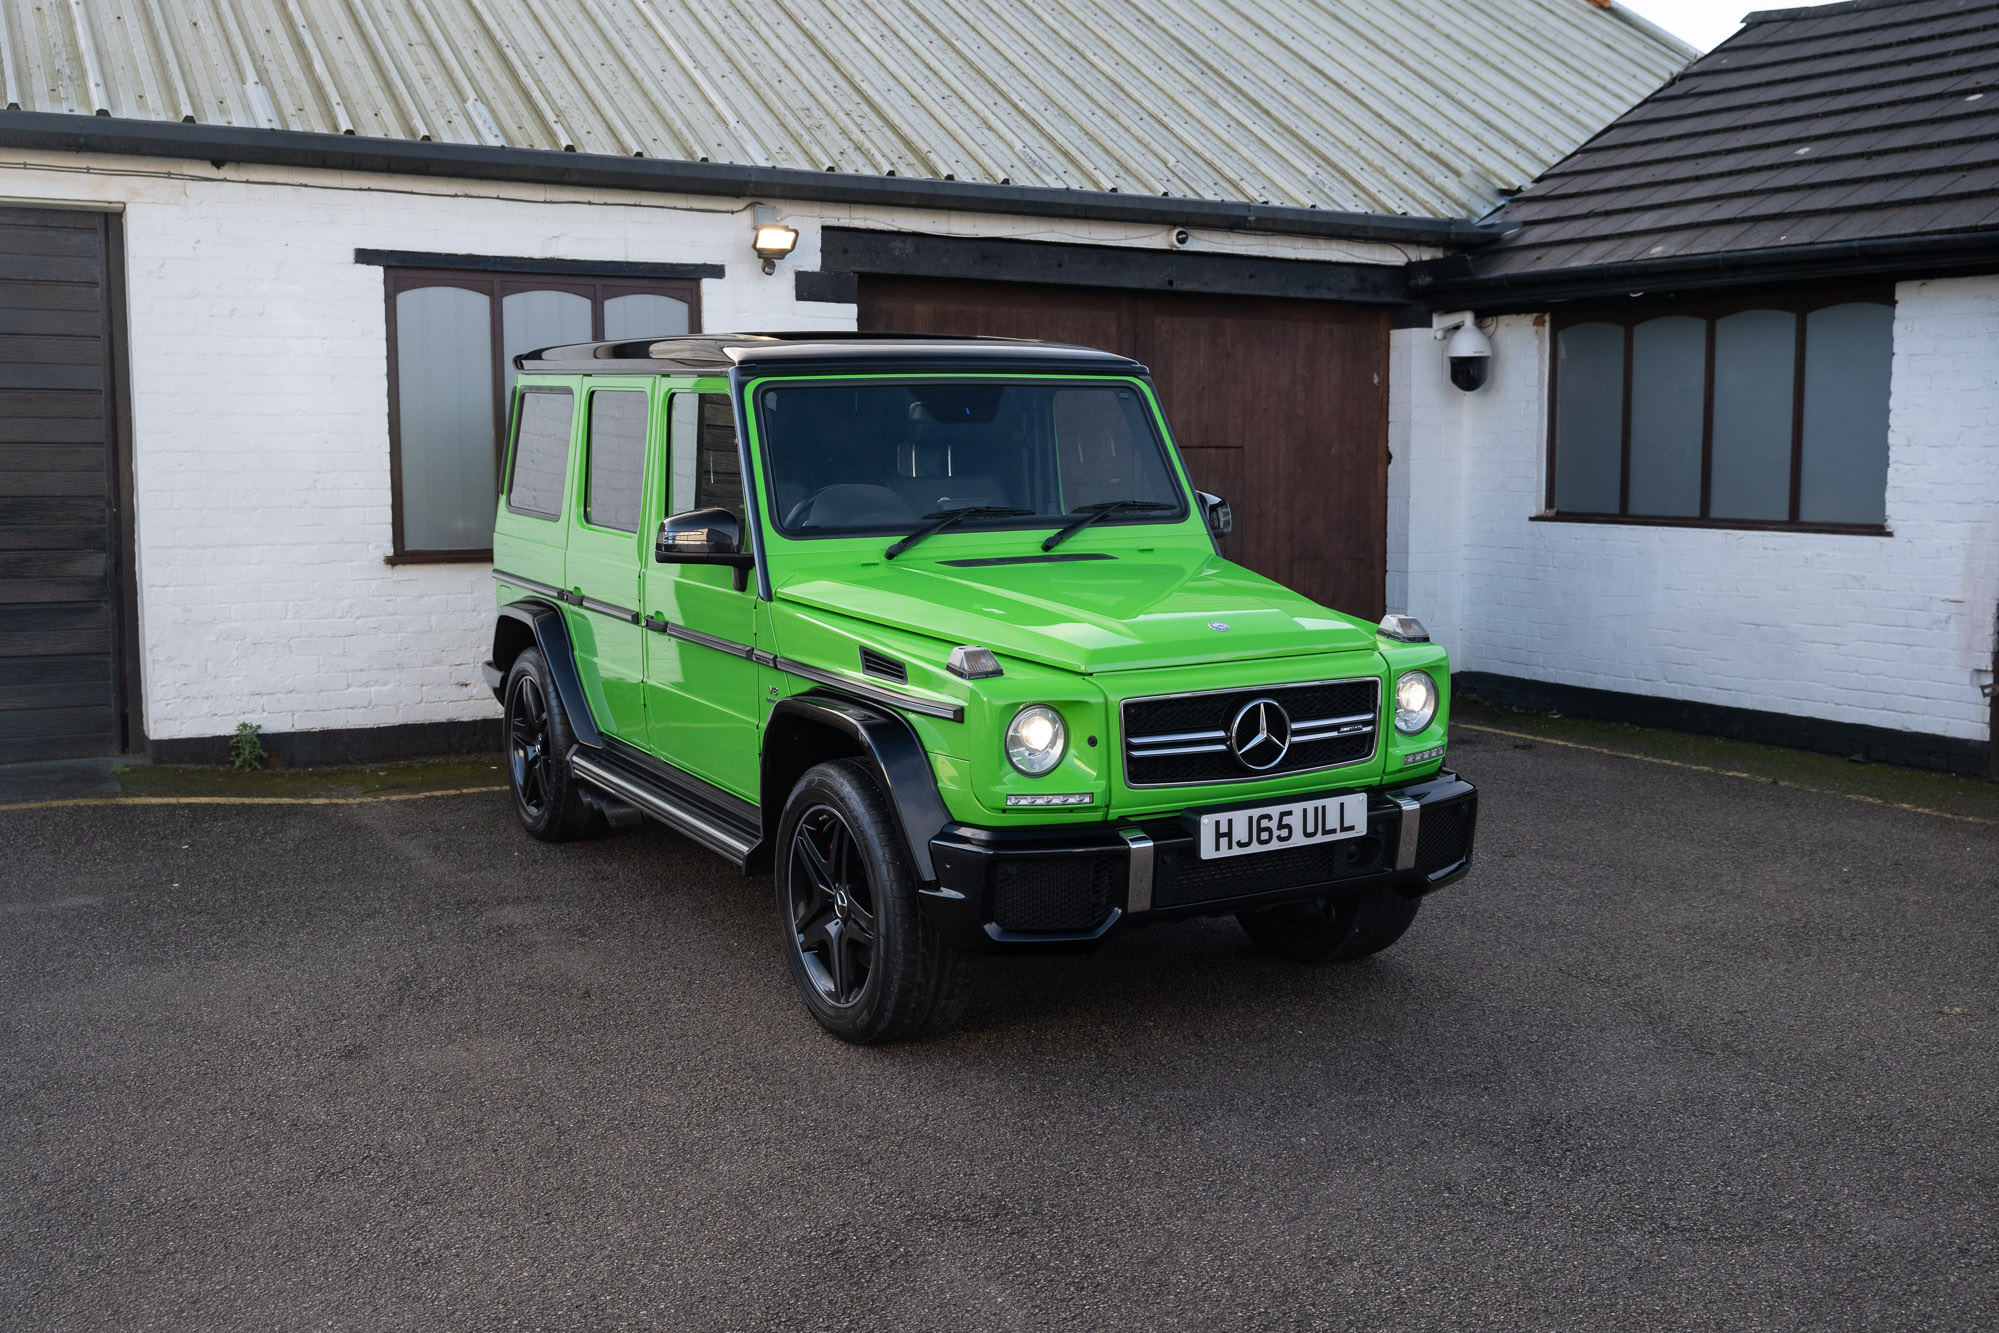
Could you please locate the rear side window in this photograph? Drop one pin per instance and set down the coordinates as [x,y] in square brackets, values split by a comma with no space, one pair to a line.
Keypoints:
[541,452]
[615,463]
[707,465]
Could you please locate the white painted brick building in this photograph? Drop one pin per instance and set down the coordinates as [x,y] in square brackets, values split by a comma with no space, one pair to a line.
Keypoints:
[234,272]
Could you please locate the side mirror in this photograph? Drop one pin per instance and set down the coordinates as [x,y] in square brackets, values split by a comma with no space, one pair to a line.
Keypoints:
[1221,521]
[704,537]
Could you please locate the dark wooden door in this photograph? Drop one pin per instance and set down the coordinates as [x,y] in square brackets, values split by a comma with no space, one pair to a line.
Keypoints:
[61,695]
[1279,406]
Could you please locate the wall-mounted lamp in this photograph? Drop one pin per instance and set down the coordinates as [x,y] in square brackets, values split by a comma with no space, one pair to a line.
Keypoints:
[1469,350]
[773,240]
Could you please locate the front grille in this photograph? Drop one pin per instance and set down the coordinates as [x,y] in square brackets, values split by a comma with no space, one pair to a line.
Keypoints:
[1444,838]
[1182,739]
[1056,893]
[1181,877]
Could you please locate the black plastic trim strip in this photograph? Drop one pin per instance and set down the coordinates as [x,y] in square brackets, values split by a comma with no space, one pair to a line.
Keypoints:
[909,703]
[532,585]
[630,617]
[219,144]
[729,646]
[1045,558]
[581,268]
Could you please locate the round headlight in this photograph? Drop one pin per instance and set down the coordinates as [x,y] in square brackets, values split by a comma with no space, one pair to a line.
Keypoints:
[1415,701]
[1034,739]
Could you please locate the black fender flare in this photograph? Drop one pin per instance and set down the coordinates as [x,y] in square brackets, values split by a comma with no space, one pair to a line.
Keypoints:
[551,635]
[889,743]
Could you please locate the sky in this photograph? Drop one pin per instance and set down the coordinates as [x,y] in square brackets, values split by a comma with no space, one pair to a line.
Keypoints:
[1703,22]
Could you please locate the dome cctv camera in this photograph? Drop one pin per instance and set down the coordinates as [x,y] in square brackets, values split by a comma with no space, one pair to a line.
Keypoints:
[1181,237]
[1470,352]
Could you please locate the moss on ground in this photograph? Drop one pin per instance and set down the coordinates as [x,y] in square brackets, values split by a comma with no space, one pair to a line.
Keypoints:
[363,780]
[1884,782]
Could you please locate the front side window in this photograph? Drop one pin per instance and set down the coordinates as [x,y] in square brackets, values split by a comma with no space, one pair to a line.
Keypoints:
[705,464]
[1745,413]
[868,457]
[453,337]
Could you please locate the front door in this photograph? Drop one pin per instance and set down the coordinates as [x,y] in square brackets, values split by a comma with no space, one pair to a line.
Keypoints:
[608,551]
[701,686]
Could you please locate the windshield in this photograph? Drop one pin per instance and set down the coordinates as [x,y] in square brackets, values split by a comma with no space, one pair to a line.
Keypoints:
[869,458]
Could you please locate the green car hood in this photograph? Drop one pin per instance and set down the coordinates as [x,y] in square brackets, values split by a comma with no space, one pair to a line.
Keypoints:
[1156,609]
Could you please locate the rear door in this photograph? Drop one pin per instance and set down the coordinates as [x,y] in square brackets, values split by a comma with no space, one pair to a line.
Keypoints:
[701,684]
[608,547]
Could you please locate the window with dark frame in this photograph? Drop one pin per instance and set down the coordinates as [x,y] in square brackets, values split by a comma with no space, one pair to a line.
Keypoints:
[452,339]
[1752,411]
[614,458]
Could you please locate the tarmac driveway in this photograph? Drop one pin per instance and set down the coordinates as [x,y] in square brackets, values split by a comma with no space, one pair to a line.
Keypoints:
[1684,1051]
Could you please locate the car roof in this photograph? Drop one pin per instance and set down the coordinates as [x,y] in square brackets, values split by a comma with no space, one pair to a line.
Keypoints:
[820,352]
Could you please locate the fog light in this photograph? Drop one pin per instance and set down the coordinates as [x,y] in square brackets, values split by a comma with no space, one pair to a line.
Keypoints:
[1073,798]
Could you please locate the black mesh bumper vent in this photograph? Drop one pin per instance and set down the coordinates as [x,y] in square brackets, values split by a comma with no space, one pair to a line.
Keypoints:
[1056,893]
[1444,838]
[1181,739]
[1182,877]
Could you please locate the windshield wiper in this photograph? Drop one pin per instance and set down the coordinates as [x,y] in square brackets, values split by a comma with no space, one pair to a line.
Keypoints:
[1103,510]
[944,518]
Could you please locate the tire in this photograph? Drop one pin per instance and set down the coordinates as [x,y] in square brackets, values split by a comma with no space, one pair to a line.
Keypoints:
[536,741]
[867,963]
[1331,930]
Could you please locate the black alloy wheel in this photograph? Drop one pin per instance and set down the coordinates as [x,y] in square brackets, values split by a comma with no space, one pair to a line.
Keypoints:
[535,734]
[868,963]
[527,745]
[832,907]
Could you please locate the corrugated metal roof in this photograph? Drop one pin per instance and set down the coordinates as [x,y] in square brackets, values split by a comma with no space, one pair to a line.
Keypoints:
[1428,107]
[1845,122]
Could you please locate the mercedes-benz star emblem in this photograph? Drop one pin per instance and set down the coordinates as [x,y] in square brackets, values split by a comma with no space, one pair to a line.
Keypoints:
[1260,736]
[1219,626]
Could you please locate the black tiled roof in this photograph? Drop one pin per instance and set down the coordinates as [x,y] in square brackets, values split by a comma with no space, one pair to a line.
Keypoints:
[1851,122]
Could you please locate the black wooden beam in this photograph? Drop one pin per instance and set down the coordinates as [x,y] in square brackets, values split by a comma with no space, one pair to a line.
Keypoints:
[593,268]
[850,250]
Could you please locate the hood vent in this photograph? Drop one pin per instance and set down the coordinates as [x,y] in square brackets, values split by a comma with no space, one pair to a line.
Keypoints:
[883,667]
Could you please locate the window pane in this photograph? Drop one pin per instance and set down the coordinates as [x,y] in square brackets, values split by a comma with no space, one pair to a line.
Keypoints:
[707,467]
[541,453]
[533,320]
[1589,418]
[643,315]
[444,417]
[1754,357]
[1847,353]
[616,461]
[1668,388]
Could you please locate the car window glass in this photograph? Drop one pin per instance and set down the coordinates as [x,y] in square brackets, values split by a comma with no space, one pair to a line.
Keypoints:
[878,457]
[707,465]
[541,453]
[615,463]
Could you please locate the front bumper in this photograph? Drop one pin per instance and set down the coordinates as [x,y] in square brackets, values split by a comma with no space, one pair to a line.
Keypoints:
[1067,887]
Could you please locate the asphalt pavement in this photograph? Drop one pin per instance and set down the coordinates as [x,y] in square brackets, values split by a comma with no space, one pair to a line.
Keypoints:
[1684,1051]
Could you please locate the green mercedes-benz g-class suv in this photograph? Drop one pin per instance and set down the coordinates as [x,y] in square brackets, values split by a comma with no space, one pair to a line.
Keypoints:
[936,632]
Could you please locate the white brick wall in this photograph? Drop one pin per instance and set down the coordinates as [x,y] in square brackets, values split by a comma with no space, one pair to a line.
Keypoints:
[260,421]
[1888,631]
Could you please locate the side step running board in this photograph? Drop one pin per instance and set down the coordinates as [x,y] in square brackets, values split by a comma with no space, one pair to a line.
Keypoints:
[661,804]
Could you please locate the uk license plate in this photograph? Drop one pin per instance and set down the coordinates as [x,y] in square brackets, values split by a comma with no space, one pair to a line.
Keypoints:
[1268,828]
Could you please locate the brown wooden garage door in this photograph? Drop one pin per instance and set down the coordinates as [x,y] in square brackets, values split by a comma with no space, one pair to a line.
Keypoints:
[60,691]
[1279,406]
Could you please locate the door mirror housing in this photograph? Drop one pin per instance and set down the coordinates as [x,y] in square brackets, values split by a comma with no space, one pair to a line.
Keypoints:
[1221,522]
[704,537]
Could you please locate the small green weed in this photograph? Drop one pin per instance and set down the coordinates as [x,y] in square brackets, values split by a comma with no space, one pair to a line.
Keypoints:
[246,748]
